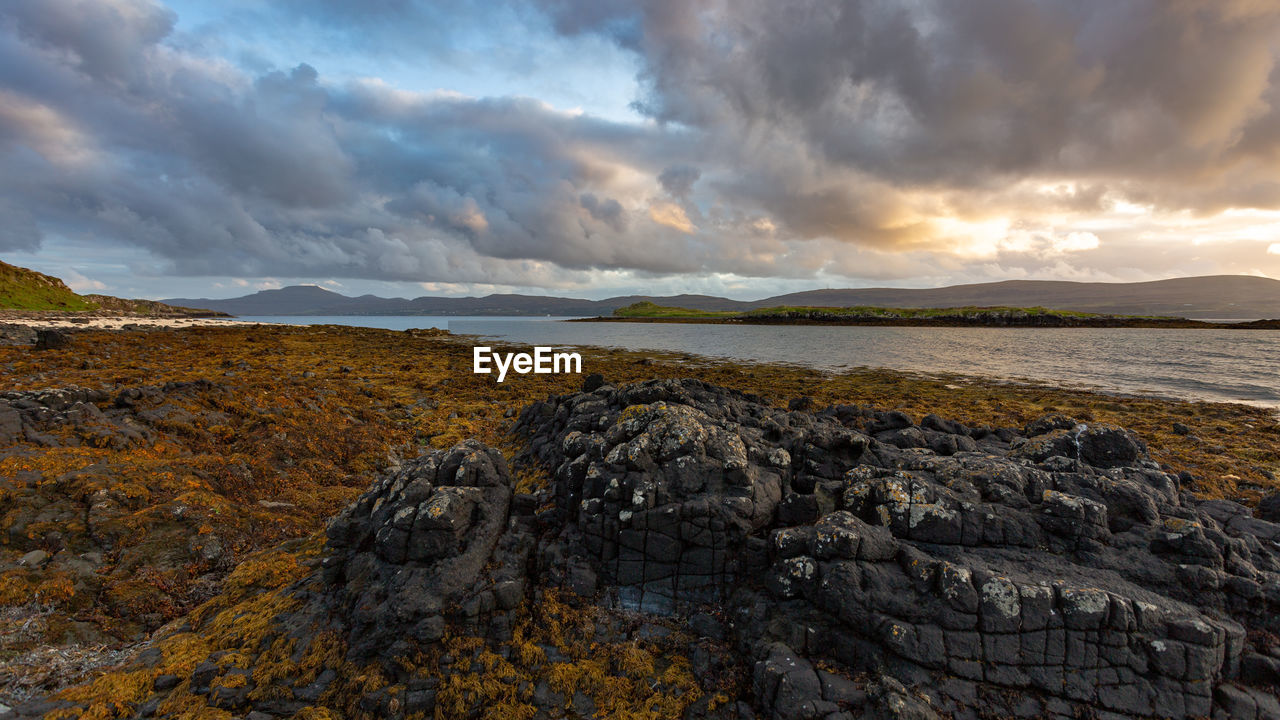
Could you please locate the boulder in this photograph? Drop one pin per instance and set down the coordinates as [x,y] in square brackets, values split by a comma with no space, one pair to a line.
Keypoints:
[34,559]
[1060,587]
[51,339]
[1269,508]
[417,543]
[1097,445]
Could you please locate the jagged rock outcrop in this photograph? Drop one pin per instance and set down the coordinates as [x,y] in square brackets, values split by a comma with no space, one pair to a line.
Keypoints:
[427,544]
[1057,565]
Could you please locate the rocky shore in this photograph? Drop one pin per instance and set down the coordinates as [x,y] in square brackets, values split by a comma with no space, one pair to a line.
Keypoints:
[698,552]
[991,319]
[48,331]
[164,495]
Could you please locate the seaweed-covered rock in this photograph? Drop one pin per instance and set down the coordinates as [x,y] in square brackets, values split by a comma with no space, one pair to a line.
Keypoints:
[72,416]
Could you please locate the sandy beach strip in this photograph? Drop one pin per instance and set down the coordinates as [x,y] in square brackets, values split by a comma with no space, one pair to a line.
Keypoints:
[121,322]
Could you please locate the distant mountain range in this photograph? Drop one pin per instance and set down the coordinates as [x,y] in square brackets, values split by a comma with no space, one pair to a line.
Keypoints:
[1216,296]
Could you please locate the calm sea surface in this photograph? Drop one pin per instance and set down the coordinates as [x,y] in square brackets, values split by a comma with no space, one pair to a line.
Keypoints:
[1220,365]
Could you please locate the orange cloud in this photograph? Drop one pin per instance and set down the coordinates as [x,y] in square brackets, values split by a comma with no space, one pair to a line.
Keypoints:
[672,216]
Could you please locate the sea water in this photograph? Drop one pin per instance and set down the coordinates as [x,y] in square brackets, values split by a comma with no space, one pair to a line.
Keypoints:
[1217,365]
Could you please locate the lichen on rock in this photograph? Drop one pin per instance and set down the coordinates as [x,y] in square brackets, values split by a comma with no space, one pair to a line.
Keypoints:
[1060,567]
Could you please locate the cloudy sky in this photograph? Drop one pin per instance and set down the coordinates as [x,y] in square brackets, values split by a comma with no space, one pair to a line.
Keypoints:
[595,147]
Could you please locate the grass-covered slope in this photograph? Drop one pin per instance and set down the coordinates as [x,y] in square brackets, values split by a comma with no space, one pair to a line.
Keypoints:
[652,310]
[23,289]
[646,309]
[27,291]
[995,316]
[147,308]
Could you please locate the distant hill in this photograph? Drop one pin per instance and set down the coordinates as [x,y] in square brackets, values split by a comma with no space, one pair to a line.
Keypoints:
[312,300]
[1218,296]
[294,300]
[877,316]
[1213,296]
[26,291]
[23,289]
[109,305]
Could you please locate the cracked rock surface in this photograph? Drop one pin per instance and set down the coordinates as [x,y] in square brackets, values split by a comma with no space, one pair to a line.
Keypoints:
[1042,571]
[429,539]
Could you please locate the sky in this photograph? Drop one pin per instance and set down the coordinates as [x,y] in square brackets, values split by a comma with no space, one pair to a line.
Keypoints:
[590,148]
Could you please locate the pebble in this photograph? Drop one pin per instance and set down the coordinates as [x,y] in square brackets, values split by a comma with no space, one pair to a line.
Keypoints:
[34,559]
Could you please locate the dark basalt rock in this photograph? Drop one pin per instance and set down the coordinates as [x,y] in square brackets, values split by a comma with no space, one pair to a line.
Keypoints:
[418,542]
[1269,508]
[52,339]
[1098,445]
[1046,572]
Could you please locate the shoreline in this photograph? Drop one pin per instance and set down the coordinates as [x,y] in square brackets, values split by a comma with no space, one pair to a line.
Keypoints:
[119,322]
[949,379]
[1050,323]
[122,322]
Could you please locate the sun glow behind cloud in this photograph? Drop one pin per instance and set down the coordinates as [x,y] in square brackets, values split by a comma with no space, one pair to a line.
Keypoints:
[672,216]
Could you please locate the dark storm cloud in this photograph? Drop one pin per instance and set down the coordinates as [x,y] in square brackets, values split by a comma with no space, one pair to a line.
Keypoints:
[911,89]
[607,211]
[1177,100]
[274,142]
[785,139]
[678,180]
